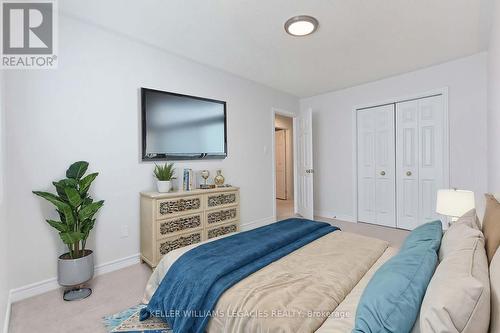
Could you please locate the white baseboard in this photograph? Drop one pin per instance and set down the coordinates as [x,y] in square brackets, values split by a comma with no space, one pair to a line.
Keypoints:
[333,215]
[115,265]
[44,286]
[6,322]
[257,223]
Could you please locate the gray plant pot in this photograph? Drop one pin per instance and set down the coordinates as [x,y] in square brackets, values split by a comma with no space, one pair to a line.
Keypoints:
[74,272]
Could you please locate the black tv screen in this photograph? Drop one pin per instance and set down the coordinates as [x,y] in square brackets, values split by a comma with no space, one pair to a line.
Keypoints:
[182,127]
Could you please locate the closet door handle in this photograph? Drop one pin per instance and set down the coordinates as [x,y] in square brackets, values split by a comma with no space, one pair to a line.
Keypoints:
[408,173]
[382,173]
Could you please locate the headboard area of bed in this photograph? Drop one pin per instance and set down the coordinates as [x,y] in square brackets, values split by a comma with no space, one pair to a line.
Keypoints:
[491,225]
[491,230]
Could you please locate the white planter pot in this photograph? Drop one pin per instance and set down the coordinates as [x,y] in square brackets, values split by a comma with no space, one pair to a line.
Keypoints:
[163,185]
[73,272]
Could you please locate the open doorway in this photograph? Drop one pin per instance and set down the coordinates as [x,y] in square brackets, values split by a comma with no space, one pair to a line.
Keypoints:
[284,166]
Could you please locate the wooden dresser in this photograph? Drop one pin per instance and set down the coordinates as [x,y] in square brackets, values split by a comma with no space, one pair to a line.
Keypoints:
[176,219]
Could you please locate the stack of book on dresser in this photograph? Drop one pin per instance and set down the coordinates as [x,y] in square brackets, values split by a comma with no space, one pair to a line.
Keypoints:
[188,181]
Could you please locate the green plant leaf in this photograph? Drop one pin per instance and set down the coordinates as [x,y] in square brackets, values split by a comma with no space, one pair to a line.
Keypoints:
[62,207]
[76,209]
[73,197]
[164,172]
[86,181]
[61,227]
[71,237]
[53,199]
[69,217]
[87,226]
[77,170]
[87,201]
[62,184]
[88,211]
[60,190]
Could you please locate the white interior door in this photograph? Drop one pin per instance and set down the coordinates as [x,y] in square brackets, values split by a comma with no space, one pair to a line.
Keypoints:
[376,165]
[280,149]
[305,172]
[366,166]
[407,164]
[420,155]
[385,166]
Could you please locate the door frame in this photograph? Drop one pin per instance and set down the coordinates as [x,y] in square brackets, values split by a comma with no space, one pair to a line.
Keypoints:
[285,133]
[274,112]
[446,135]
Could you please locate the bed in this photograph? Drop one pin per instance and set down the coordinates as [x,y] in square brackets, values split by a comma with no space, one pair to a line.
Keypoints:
[318,287]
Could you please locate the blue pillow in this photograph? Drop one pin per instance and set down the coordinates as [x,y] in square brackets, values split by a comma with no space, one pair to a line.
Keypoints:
[427,235]
[391,301]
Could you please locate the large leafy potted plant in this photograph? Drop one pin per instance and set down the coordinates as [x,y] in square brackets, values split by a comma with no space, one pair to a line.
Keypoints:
[164,175]
[76,210]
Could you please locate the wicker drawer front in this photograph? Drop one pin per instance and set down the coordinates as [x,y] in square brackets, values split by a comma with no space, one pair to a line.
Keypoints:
[178,224]
[223,229]
[223,215]
[178,206]
[223,199]
[175,242]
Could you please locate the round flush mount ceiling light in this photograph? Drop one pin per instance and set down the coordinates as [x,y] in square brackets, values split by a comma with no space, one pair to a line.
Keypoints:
[301,25]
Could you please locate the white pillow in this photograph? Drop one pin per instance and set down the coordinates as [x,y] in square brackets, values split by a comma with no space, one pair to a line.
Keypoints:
[495,292]
[458,296]
[462,232]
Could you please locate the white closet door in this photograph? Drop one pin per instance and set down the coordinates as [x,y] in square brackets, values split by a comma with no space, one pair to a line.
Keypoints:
[420,159]
[366,166]
[431,151]
[407,152]
[376,165]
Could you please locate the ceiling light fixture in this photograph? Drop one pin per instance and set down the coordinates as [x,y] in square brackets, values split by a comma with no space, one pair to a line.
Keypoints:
[301,25]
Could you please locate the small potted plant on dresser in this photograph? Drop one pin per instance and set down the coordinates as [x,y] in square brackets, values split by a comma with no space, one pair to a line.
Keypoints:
[164,175]
[76,210]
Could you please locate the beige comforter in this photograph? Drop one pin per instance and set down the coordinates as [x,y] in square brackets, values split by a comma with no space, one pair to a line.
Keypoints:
[296,293]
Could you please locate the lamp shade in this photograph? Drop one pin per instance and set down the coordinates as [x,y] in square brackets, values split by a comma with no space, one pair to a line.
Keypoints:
[454,203]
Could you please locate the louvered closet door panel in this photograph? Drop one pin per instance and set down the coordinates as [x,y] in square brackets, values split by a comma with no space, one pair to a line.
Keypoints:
[366,166]
[376,165]
[431,155]
[407,149]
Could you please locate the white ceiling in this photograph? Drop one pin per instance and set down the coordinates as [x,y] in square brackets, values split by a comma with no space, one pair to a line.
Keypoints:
[358,40]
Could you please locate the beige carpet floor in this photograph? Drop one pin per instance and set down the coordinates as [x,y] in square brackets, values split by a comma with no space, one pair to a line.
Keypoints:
[116,291]
[394,236]
[112,293]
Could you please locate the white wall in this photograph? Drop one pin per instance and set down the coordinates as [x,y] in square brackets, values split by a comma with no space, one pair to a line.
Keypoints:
[89,109]
[4,288]
[494,104]
[286,123]
[333,129]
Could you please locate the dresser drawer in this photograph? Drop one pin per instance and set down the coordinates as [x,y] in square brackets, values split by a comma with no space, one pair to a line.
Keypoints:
[222,229]
[222,215]
[178,224]
[222,199]
[179,206]
[168,244]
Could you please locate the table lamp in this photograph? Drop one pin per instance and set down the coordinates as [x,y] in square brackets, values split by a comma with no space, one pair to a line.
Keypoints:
[454,203]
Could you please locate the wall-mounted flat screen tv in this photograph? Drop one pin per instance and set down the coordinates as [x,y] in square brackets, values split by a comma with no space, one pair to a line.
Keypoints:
[182,127]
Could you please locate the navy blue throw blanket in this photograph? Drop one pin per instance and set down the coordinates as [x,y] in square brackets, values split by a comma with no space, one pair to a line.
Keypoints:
[191,288]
